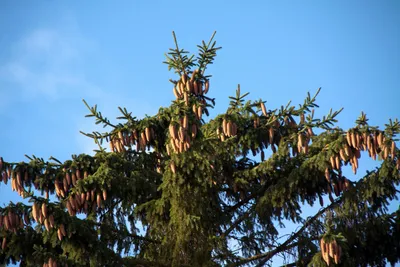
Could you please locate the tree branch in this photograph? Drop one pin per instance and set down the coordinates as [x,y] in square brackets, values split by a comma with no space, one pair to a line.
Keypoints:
[236,223]
[285,245]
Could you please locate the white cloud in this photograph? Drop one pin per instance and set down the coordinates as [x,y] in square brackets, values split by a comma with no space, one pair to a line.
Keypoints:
[50,63]
[46,61]
[49,42]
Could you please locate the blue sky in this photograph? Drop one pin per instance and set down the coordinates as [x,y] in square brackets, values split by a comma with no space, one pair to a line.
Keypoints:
[55,53]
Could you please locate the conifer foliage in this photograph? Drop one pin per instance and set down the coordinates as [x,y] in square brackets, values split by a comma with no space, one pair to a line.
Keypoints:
[182,189]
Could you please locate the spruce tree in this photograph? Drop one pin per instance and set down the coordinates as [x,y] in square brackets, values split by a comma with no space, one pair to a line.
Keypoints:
[181,189]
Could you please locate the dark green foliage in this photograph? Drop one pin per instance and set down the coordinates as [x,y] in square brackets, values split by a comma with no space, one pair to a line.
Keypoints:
[174,190]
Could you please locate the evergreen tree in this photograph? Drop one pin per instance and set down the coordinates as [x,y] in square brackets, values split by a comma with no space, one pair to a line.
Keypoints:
[180,189]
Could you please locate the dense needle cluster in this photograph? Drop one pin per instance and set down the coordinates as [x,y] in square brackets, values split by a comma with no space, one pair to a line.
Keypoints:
[176,190]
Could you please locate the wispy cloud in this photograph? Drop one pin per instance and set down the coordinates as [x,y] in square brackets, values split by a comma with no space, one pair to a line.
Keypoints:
[46,62]
[51,63]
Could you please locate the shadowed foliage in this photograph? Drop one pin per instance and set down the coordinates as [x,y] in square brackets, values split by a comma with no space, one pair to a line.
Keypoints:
[181,189]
